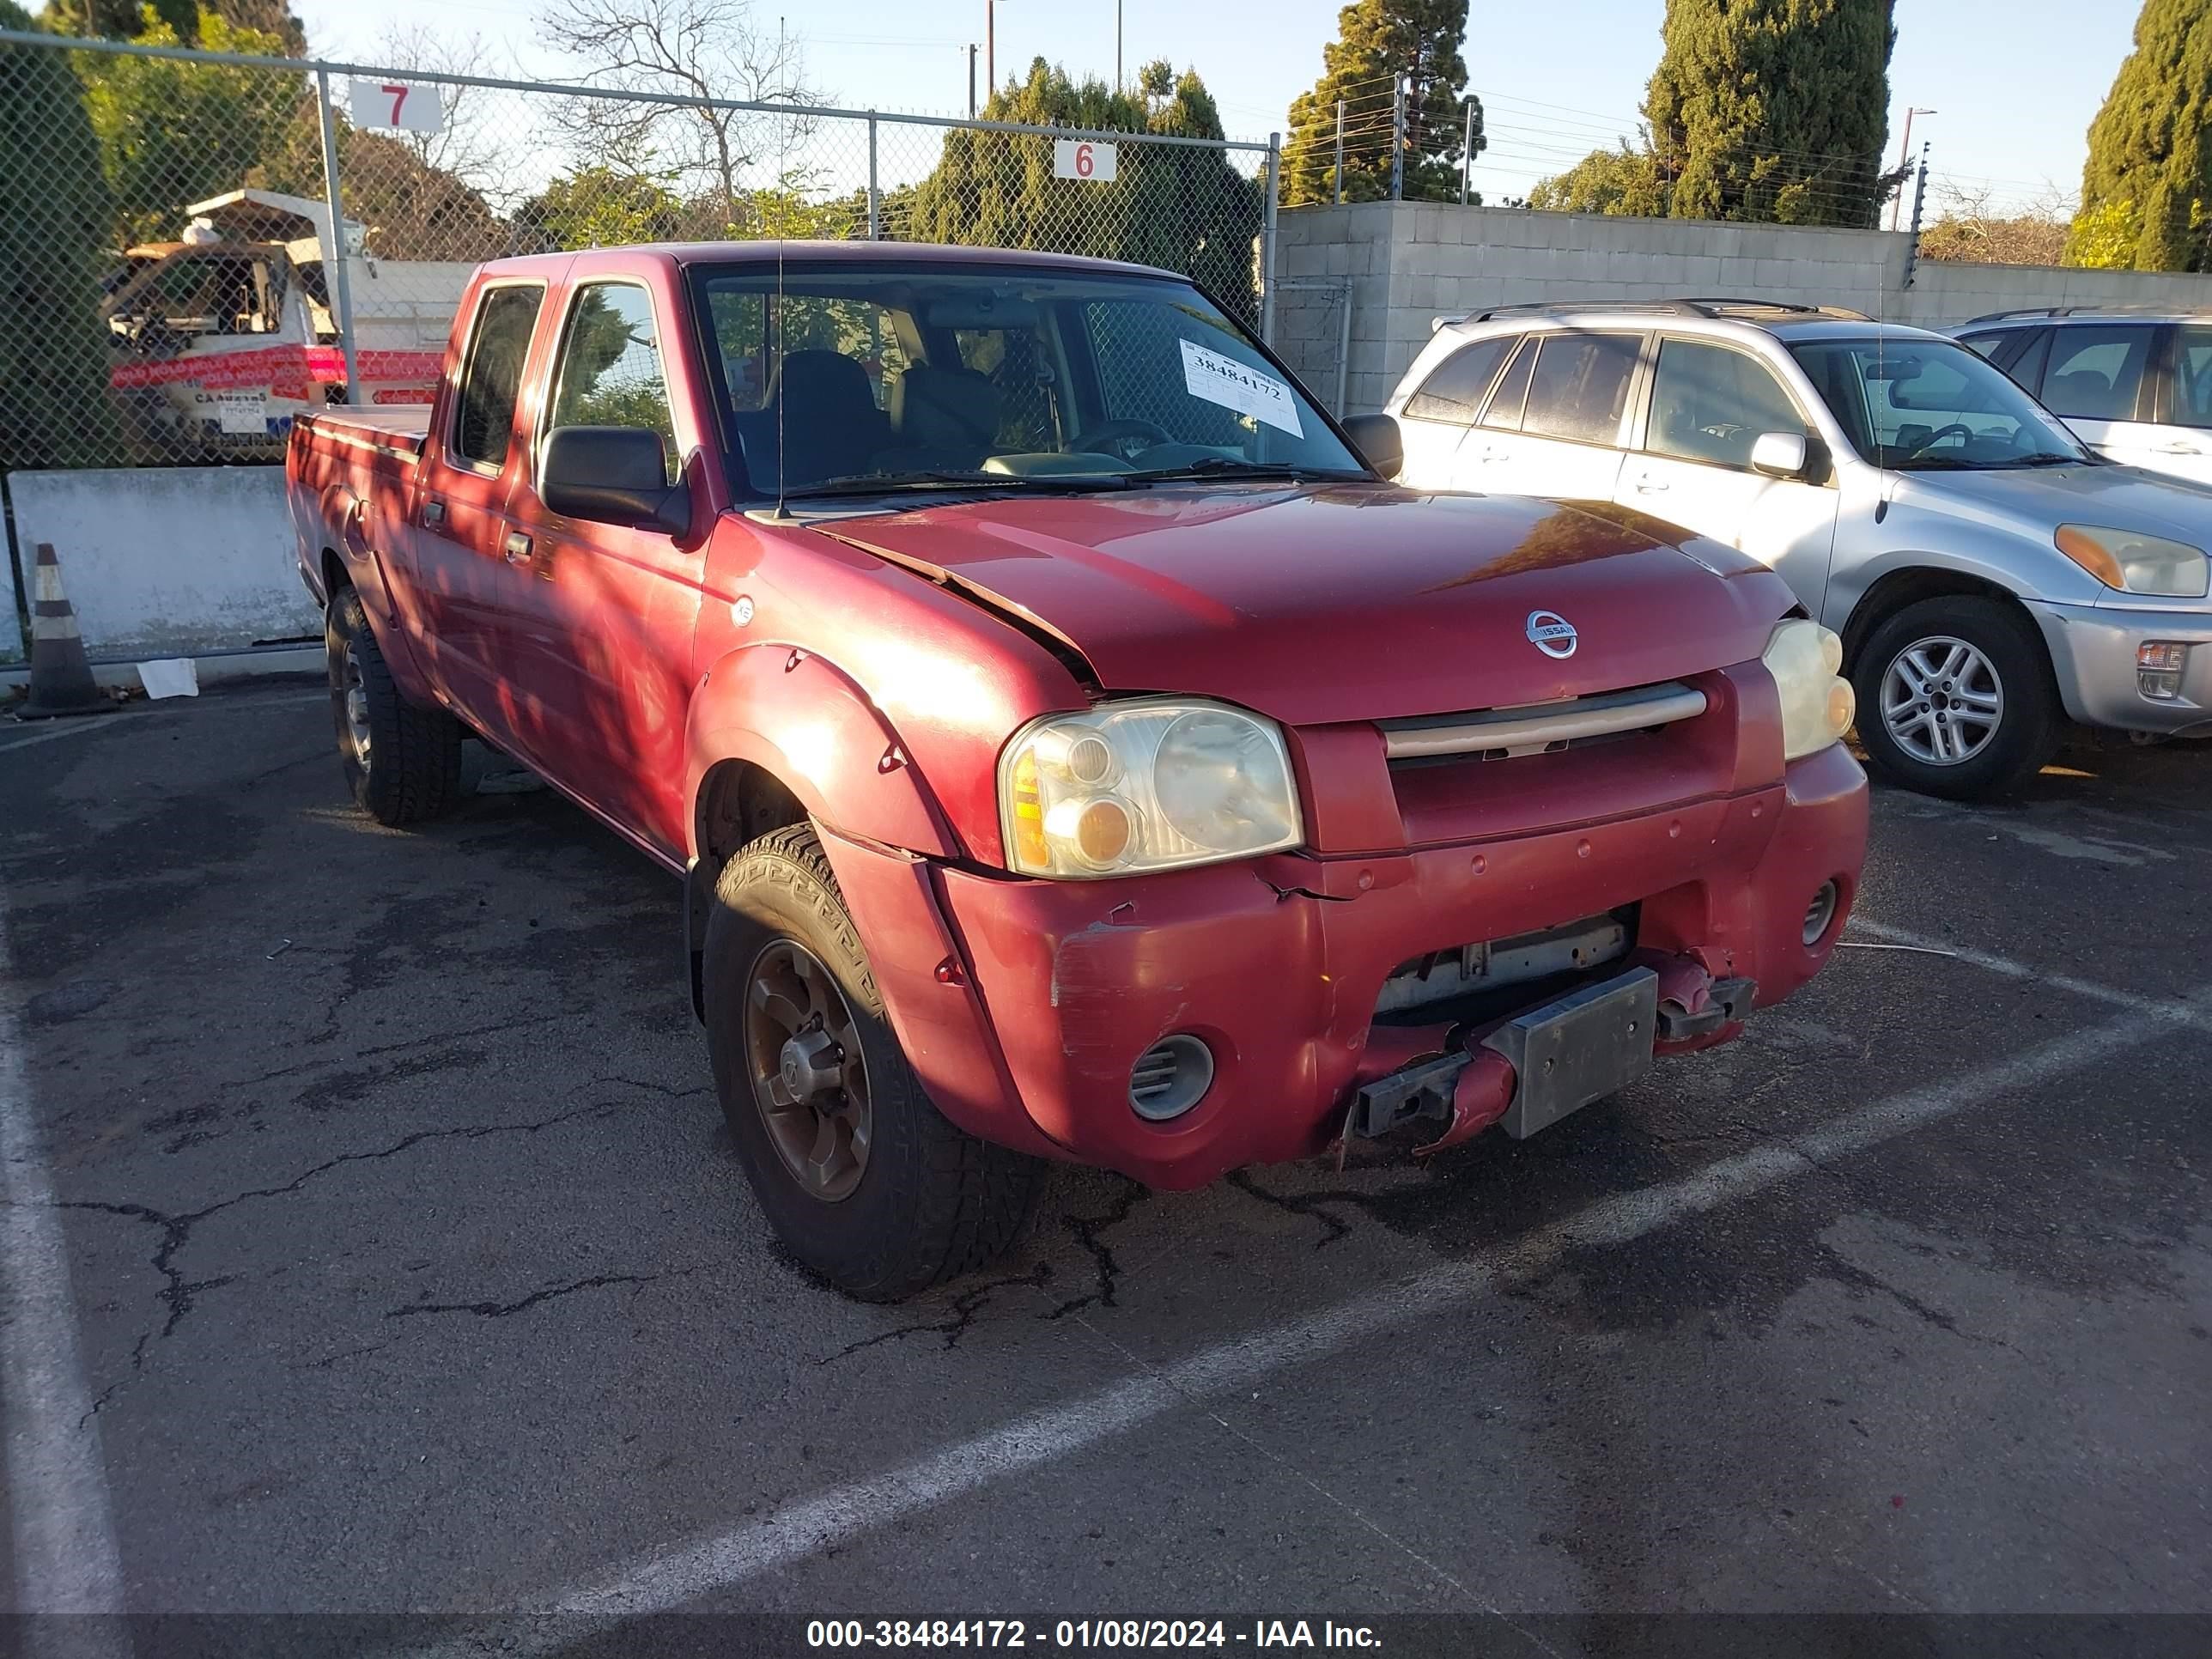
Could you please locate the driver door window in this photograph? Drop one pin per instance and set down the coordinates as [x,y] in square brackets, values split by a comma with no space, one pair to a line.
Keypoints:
[1709,404]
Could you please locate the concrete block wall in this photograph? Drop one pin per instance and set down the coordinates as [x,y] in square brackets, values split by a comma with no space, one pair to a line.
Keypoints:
[1408,262]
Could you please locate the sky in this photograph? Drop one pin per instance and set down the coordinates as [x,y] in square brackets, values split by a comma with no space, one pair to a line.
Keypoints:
[2014,89]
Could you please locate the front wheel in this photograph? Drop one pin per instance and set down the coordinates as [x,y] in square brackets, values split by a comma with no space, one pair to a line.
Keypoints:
[862,1178]
[402,761]
[1955,698]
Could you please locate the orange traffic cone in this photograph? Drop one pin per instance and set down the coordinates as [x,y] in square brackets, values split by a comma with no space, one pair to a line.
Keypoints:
[61,679]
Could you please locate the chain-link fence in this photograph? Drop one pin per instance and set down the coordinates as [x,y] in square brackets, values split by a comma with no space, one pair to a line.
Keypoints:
[177,287]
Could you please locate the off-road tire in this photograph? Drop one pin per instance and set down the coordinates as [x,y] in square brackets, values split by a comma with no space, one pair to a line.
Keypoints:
[2029,728]
[933,1201]
[412,771]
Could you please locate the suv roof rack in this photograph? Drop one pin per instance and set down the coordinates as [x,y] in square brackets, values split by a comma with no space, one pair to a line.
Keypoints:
[1700,306]
[2090,310]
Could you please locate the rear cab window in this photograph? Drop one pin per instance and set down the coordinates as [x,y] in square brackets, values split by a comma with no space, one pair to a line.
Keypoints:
[491,375]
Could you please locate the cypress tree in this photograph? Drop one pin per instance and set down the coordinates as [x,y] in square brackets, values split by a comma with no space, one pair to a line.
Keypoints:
[56,221]
[1377,39]
[1186,209]
[2148,183]
[1773,110]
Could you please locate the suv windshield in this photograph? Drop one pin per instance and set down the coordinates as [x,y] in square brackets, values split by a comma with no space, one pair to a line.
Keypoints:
[1919,404]
[839,380]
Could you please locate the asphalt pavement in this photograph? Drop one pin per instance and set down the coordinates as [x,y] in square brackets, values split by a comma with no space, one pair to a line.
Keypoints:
[409,1270]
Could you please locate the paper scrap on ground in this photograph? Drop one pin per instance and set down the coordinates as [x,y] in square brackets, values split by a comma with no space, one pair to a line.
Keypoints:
[171,677]
[1233,385]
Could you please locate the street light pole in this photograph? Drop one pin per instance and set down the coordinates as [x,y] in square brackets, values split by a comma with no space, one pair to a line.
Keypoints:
[990,48]
[1904,159]
[1117,45]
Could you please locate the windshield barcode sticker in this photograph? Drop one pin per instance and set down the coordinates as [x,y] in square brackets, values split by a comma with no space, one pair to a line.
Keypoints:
[1233,385]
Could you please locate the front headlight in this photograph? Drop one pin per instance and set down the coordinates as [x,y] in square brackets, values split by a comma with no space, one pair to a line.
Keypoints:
[2135,563]
[1817,704]
[1154,783]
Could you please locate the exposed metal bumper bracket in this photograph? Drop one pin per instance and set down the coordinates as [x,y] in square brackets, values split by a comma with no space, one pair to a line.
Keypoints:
[1727,1001]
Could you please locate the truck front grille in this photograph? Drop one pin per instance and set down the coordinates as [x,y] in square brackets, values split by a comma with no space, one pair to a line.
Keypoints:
[1541,728]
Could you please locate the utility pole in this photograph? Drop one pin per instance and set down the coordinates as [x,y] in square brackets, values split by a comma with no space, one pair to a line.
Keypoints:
[1398,139]
[971,50]
[990,48]
[1117,45]
[1340,152]
[1904,156]
[1466,153]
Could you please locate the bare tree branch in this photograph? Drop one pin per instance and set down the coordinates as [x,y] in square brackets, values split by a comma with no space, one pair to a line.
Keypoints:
[688,48]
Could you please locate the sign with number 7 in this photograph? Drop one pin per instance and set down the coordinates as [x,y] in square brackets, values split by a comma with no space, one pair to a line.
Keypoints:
[395,107]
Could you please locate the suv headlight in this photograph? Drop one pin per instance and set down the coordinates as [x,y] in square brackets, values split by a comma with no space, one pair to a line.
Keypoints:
[1154,783]
[1817,704]
[2136,563]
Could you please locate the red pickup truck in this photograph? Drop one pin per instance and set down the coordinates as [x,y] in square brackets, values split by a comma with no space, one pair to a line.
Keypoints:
[1073,748]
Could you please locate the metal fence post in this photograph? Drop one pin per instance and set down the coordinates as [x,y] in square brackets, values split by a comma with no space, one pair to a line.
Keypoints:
[1268,238]
[1340,152]
[341,286]
[1919,196]
[875,197]
[1398,139]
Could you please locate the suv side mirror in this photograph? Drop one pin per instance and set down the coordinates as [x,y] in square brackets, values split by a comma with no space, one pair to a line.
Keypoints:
[612,475]
[1780,454]
[1379,441]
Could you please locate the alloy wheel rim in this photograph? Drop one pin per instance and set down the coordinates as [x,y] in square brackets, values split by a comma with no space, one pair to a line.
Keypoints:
[1942,700]
[809,1076]
[353,694]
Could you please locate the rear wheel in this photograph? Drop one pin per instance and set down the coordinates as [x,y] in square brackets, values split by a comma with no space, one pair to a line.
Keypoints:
[1955,697]
[862,1178]
[402,761]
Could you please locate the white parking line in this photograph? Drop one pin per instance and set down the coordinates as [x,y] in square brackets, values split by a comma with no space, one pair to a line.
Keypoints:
[667,1582]
[2009,967]
[70,727]
[65,1537]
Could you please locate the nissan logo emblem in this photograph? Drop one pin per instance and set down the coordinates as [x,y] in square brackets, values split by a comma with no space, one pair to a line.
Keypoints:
[1551,634]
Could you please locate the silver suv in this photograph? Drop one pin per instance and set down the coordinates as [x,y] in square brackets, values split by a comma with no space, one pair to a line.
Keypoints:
[2135,386]
[1988,575]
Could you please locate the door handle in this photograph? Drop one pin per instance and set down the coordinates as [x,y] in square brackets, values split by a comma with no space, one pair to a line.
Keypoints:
[1648,485]
[434,512]
[518,549]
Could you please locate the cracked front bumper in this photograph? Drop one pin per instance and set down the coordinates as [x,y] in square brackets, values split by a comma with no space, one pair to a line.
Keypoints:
[1025,1003]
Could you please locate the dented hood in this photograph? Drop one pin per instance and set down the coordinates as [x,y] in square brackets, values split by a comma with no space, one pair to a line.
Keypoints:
[1351,602]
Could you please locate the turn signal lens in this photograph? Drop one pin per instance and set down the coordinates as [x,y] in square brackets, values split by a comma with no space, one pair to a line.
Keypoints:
[2135,563]
[2159,665]
[1817,704]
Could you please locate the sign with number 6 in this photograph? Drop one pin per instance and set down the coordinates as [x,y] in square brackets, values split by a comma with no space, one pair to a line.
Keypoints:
[1083,158]
[395,107]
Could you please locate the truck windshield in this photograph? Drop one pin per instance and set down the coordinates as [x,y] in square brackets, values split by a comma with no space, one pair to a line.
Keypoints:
[1923,405]
[914,376]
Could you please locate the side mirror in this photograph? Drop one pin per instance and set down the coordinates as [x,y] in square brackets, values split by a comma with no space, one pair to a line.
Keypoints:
[1378,440]
[1780,454]
[612,475]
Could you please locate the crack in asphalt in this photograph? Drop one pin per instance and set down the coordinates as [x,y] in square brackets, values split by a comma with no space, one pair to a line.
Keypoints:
[501,1309]
[964,1308]
[1087,1231]
[1308,1205]
[179,1294]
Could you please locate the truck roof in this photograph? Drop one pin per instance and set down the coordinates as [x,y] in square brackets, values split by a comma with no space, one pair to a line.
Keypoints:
[838,252]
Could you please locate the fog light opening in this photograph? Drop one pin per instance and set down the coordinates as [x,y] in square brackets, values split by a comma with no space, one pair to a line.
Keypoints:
[1169,1077]
[2159,665]
[1821,913]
